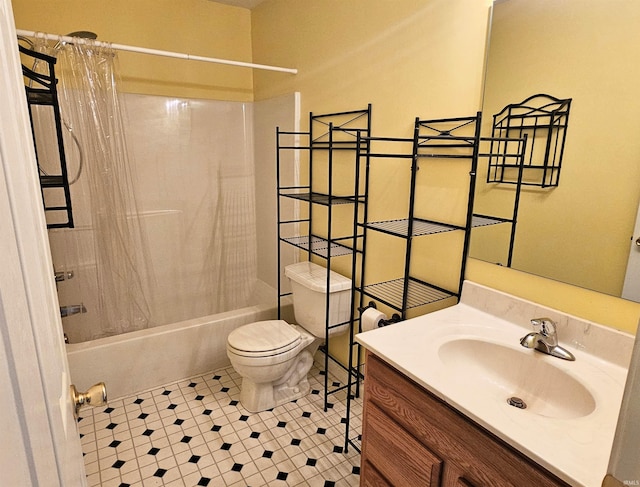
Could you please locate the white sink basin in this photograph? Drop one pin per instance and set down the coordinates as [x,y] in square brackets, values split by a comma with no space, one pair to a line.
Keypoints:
[509,372]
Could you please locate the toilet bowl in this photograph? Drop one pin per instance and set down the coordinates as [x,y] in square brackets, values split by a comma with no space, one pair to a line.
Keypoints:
[274,357]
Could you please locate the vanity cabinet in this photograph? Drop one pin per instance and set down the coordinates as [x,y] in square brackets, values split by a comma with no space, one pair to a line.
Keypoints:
[412,438]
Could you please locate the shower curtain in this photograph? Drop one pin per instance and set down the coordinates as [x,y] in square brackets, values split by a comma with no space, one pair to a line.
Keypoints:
[165,218]
[107,251]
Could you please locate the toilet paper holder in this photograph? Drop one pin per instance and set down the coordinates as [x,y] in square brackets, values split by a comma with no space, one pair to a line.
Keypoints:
[395,317]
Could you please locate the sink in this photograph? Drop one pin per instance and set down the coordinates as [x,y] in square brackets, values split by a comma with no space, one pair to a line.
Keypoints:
[504,372]
[469,356]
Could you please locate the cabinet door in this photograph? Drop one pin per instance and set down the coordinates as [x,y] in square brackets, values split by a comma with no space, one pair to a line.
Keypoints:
[396,455]
[481,459]
[372,478]
[454,477]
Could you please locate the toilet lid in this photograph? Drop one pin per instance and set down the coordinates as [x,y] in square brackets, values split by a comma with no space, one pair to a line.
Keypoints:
[264,338]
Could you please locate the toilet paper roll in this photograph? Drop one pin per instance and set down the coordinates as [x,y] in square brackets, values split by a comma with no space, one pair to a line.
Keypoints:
[370,319]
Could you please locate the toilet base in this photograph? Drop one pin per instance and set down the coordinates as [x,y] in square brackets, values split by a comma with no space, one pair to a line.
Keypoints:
[284,394]
[256,397]
[261,397]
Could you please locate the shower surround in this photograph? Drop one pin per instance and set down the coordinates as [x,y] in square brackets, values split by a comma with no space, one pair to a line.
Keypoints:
[194,172]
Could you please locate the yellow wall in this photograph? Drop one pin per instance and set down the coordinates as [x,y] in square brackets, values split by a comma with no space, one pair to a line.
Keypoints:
[199,27]
[409,58]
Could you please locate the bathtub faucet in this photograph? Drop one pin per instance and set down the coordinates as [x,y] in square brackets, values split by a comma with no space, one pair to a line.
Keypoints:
[72,309]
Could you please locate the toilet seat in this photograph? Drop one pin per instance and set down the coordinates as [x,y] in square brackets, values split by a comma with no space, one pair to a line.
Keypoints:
[264,339]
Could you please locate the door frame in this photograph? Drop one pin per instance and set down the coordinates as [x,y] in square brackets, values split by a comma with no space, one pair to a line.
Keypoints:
[631,286]
[40,436]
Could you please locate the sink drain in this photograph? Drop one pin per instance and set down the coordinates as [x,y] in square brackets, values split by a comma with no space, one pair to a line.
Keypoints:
[516,402]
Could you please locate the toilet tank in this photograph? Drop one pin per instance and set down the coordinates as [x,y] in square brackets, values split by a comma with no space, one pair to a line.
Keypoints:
[309,289]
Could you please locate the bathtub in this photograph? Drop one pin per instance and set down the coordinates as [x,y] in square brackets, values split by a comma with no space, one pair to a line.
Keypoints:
[141,360]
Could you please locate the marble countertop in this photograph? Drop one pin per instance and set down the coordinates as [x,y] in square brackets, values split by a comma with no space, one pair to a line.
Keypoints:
[573,442]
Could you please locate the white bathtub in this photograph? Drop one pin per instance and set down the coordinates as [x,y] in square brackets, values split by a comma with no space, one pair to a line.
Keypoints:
[141,360]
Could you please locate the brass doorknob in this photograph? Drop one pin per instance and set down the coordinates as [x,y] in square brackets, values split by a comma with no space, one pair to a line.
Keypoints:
[95,396]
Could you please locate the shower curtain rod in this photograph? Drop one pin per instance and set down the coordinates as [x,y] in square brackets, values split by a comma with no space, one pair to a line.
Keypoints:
[157,52]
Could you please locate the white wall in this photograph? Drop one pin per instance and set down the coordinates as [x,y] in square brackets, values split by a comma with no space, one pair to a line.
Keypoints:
[284,112]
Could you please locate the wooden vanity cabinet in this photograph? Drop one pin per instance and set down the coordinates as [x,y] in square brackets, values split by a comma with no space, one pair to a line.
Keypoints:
[411,438]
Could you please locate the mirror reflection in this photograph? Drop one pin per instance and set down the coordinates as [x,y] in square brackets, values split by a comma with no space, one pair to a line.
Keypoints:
[581,231]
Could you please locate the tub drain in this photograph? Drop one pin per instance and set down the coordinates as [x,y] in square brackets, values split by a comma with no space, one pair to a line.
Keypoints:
[516,402]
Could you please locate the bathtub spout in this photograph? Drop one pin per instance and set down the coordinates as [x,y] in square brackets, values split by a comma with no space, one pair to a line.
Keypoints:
[72,309]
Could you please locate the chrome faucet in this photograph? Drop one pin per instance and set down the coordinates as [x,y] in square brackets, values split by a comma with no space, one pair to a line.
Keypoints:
[545,340]
[72,309]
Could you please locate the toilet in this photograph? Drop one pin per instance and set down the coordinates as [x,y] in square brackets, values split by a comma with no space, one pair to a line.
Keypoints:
[273,357]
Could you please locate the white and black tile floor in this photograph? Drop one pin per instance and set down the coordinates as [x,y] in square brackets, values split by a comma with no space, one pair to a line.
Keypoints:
[196,433]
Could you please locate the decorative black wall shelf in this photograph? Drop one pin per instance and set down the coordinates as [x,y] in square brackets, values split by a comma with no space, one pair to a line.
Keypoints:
[544,119]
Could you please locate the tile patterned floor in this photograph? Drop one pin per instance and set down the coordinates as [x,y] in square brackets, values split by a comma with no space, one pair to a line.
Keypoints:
[196,433]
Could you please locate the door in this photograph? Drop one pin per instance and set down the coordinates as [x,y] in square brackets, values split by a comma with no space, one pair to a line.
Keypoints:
[631,288]
[40,443]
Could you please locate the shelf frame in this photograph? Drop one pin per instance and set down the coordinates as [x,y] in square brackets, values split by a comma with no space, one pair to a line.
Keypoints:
[503,149]
[329,134]
[446,139]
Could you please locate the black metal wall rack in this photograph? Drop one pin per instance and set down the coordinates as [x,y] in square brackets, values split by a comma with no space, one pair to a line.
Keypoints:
[434,142]
[332,180]
[41,90]
[544,119]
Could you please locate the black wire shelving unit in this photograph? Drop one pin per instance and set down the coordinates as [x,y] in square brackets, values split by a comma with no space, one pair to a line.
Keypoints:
[506,152]
[434,142]
[41,91]
[331,148]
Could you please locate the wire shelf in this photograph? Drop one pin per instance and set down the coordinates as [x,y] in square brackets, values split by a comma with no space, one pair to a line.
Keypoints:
[418,294]
[41,89]
[544,119]
[485,221]
[400,227]
[321,198]
[319,246]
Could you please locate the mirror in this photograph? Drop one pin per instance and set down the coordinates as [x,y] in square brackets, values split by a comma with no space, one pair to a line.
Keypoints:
[579,232]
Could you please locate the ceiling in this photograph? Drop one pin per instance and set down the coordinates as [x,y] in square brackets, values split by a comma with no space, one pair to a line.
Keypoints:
[250,4]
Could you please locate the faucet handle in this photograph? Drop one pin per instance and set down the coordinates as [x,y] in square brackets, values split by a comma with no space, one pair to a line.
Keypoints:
[547,326]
